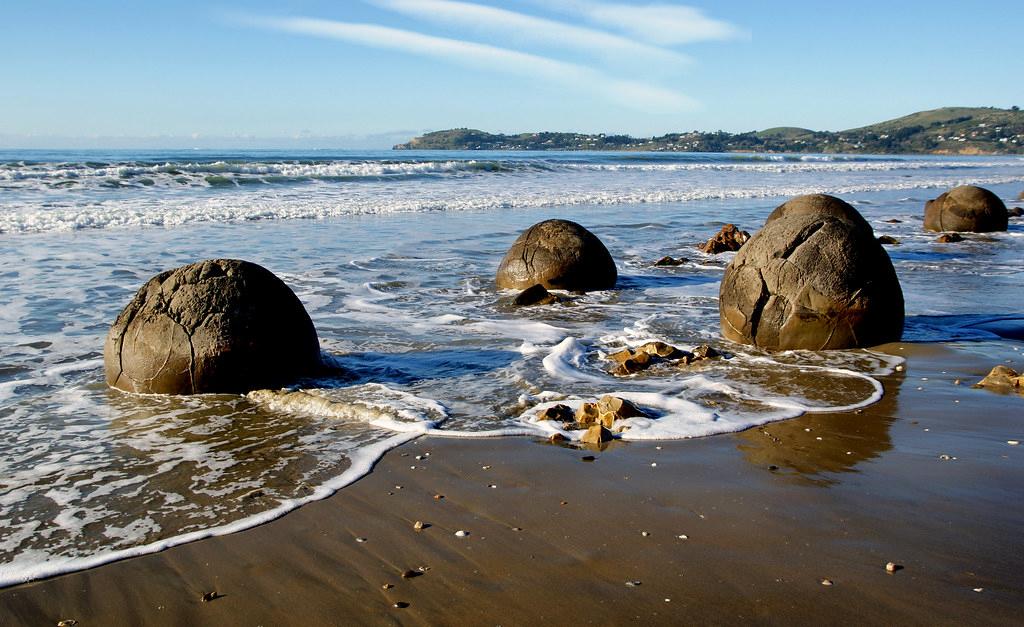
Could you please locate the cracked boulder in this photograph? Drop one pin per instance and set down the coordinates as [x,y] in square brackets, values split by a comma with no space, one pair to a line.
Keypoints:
[557,254]
[966,209]
[221,325]
[814,278]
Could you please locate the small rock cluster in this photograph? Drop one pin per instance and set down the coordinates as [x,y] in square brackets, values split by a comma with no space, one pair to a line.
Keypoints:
[1003,378]
[641,358]
[599,419]
[730,238]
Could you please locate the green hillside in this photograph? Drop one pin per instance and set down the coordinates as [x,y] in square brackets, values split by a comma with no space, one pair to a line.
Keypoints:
[950,130]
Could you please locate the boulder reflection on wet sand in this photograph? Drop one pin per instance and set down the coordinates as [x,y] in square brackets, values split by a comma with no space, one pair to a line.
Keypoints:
[814,445]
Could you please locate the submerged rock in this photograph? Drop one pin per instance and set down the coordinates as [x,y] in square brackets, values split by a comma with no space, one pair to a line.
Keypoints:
[535,295]
[888,239]
[1016,212]
[966,208]
[557,254]
[813,278]
[221,325]
[949,238]
[671,261]
[730,238]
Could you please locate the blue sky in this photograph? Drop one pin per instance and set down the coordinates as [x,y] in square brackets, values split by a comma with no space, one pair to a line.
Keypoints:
[367,73]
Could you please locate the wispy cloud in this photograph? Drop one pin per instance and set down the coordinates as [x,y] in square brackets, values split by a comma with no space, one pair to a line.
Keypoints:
[520,27]
[634,94]
[660,24]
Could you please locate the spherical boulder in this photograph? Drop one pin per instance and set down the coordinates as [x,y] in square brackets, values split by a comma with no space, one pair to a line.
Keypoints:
[812,280]
[221,325]
[966,208]
[557,254]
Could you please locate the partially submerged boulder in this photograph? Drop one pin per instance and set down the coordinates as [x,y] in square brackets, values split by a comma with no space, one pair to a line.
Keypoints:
[888,239]
[730,238]
[670,261]
[1015,212]
[535,295]
[966,208]
[813,278]
[949,238]
[557,254]
[221,325]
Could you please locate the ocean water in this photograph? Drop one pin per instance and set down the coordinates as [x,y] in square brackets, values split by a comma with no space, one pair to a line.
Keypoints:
[393,255]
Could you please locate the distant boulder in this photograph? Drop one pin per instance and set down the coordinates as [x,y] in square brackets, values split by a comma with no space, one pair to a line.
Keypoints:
[1016,212]
[557,254]
[221,325]
[813,278]
[730,238]
[967,209]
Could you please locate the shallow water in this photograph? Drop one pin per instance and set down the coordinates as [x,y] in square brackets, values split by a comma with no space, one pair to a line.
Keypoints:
[397,273]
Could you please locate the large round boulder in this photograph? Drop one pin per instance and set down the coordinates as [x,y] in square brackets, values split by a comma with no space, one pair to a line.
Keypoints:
[221,325]
[812,280]
[966,208]
[557,254]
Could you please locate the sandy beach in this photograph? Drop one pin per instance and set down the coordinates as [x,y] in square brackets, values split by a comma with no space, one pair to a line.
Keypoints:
[742,527]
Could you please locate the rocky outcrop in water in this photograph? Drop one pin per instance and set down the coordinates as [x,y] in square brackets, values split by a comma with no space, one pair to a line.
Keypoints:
[667,261]
[949,238]
[557,254]
[730,238]
[813,278]
[1003,378]
[535,295]
[966,208]
[221,325]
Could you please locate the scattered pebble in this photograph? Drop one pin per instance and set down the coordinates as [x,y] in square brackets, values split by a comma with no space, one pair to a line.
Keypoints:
[409,574]
[492,486]
[461,533]
[645,533]
[588,458]
[654,464]
[945,457]
[826,582]
[387,586]
[412,468]
[1013,442]
[400,604]
[486,467]
[683,536]
[956,381]
[419,457]
[564,503]
[210,596]
[657,448]
[517,528]
[668,600]
[979,589]
[892,567]
[67,622]
[773,467]
[419,525]
[360,540]
[634,583]
[438,497]
[899,368]
[398,487]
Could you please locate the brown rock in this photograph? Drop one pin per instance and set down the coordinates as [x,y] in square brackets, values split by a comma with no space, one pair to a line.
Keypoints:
[813,278]
[729,238]
[535,295]
[670,261]
[221,325]
[949,238]
[1003,378]
[618,407]
[894,221]
[705,351]
[554,438]
[597,434]
[632,364]
[888,239]
[587,414]
[556,412]
[557,254]
[966,208]
[1016,212]
[659,349]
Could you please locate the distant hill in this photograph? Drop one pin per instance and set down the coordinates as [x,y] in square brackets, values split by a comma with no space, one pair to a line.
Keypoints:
[951,130]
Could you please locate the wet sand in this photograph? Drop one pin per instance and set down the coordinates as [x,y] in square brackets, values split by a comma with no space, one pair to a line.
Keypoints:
[767,514]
